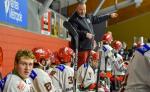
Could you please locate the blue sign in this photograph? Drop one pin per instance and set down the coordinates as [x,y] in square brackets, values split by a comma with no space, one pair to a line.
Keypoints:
[14,12]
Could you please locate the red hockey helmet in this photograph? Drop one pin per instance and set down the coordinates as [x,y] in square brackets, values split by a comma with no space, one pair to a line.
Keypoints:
[95,55]
[51,55]
[117,45]
[107,37]
[40,53]
[65,54]
[56,60]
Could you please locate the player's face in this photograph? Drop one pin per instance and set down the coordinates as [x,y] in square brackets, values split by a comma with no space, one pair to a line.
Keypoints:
[81,10]
[95,63]
[24,67]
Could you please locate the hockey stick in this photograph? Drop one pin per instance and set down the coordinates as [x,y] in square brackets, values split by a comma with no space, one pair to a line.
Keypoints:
[73,34]
[99,64]
[88,60]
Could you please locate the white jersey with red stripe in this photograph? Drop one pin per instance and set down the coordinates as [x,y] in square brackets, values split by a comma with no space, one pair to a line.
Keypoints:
[107,52]
[41,81]
[85,75]
[13,83]
[62,78]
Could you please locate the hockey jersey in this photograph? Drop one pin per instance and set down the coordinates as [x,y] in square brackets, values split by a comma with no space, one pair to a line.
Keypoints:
[107,53]
[85,75]
[41,81]
[13,83]
[118,66]
[62,78]
[139,71]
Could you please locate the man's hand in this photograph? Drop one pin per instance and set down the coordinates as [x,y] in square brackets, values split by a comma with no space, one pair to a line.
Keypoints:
[89,35]
[114,15]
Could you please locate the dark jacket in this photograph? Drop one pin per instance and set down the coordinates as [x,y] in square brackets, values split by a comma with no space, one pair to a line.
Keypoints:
[84,25]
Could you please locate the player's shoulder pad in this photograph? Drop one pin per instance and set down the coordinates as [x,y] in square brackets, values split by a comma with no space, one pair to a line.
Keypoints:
[2,83]
[143,49]
[33,75]
[107,48]
[61,67]
[104,49]
[86,65]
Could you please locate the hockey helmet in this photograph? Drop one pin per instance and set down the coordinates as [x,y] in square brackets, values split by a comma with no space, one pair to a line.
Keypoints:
[51,55]
[117,45]
[56,60]
[40,53]
[65,54]
[107,37]
[95,55]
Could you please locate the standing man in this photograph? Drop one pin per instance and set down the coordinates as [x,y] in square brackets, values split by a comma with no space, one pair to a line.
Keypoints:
[83,24]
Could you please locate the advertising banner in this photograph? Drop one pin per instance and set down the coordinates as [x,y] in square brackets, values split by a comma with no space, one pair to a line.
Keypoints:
[14,12]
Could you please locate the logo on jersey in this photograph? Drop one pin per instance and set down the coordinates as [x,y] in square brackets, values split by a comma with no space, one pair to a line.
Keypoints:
[48,86]
[21,86]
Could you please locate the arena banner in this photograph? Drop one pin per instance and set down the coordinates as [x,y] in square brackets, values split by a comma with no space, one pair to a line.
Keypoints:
[46,23]
[14,12]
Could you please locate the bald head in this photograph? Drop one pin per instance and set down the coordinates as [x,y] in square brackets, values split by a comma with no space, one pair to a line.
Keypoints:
[81,9]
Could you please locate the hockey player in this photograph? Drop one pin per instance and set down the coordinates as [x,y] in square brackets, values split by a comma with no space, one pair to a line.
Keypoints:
[41,80]
[107,55]
[63,74]
[139,67]
[86,78]
[87,75]
[119,64]
[119,67]
[42,57]
[18,80]
[54,61]
[50,61]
